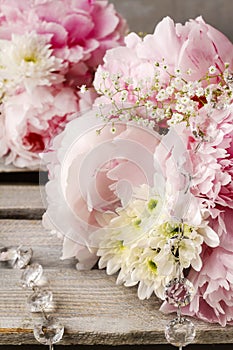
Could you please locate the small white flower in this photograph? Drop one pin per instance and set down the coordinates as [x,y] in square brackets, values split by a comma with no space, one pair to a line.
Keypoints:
[160,113]
[170,90]
[212,69]
[128,81]
[189,71]
[157,85]
[124,95]
[177,71]
[190,88]
[149,105]
[190,110]
[176,118]
[83,89]
[180,108]
[185,100]
[177,83]
[162,95]
[200,92]
[105,75]
[113,130]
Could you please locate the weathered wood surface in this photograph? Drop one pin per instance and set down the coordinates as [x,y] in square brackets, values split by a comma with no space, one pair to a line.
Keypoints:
[89,304]
[143,15]
[22,201]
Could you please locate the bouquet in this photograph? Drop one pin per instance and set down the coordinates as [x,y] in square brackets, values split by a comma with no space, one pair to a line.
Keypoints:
[49,49]
[142,183]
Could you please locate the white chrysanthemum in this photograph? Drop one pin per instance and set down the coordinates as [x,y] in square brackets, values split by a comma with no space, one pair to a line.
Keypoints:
[146,245]
[145,273]
[28,60]
[178,244]
[124,233]
[181,244]
[113,254]
[137,219]
[136,264]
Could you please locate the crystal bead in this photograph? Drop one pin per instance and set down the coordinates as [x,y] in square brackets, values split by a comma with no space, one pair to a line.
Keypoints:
[8,254]
[40,300]
[22,259]
[179,292]
[31,275]
[49,331]
[180,332]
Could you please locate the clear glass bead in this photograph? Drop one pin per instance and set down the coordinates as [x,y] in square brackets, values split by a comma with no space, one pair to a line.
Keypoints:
[31,275]
[40,300]
[50,331]
[180,332]
[8,254]
[179,292]
[22,259]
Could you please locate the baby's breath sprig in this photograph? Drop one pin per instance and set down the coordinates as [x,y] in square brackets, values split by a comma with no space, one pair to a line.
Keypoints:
[157,100]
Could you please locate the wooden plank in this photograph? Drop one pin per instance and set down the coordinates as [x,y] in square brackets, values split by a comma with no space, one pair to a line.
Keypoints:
[143,15]
[22,201]
[93,310]
[89,304]
[30,234]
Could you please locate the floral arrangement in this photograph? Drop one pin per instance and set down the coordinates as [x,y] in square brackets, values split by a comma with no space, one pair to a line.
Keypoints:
[49,48]
[142,183]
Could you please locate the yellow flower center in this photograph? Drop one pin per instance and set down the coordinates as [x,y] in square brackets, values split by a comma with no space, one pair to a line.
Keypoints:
[152,266]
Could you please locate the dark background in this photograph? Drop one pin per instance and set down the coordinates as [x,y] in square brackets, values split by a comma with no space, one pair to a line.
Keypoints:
[143,15]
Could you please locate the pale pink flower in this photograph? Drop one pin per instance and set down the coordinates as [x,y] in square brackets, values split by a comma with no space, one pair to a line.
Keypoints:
[31,121]
[212,162]
[125,63]
[195,47]
[89,174]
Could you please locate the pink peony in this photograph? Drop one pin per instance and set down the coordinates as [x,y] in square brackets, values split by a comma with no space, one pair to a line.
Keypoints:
[89,173]
[195,47]
[49,47]
[39,118]
[79,31]
[212,164]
